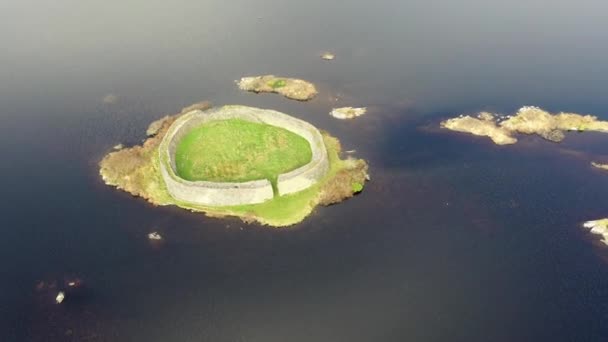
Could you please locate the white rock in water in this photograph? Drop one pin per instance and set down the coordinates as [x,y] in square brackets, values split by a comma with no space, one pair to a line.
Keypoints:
[589,224]
[598,227]
[347,112]
[60,297]
[328,56]
[155,236]
[600,165]
[119,147]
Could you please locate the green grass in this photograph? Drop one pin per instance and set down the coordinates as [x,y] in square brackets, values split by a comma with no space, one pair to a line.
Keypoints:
[282,210]
[279,83]
[357,187]
[238,151]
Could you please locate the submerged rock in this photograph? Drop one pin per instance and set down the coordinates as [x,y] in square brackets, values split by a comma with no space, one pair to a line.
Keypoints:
[527,120]
[347,112]
[598,227]
[292,88]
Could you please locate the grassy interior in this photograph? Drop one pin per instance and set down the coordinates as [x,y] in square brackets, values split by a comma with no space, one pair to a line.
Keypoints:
[236,150]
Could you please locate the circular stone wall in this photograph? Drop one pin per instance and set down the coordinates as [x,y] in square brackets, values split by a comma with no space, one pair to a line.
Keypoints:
[228,193]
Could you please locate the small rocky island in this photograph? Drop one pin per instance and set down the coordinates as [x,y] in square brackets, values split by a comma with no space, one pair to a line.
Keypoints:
[347,112]
[328,56]
[528,120]
[533,120]
[291,88]
[256,164]
[599,227]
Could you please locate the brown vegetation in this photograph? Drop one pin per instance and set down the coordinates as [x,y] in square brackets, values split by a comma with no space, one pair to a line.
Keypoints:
[129,169]
[340,187]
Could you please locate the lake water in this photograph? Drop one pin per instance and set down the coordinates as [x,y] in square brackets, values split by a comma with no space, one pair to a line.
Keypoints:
[454,239]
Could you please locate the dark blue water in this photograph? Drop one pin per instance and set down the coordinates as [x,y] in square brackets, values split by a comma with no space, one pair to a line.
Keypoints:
[454,239]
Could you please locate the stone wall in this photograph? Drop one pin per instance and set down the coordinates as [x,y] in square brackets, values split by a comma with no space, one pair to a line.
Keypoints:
[223,194]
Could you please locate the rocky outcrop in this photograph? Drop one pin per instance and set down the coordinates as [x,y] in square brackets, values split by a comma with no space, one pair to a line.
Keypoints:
[480,127]
[527,120]
[328,56]
[598,227]
[292,88]
[347,112]
[600,166]
[155,236]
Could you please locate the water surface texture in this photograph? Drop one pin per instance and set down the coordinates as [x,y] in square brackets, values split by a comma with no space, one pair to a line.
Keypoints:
[454,239]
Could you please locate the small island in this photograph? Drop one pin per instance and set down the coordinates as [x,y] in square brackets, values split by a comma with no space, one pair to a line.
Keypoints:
[347,112]
[328,56]
[528,120]
[256,164]
[291,88]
